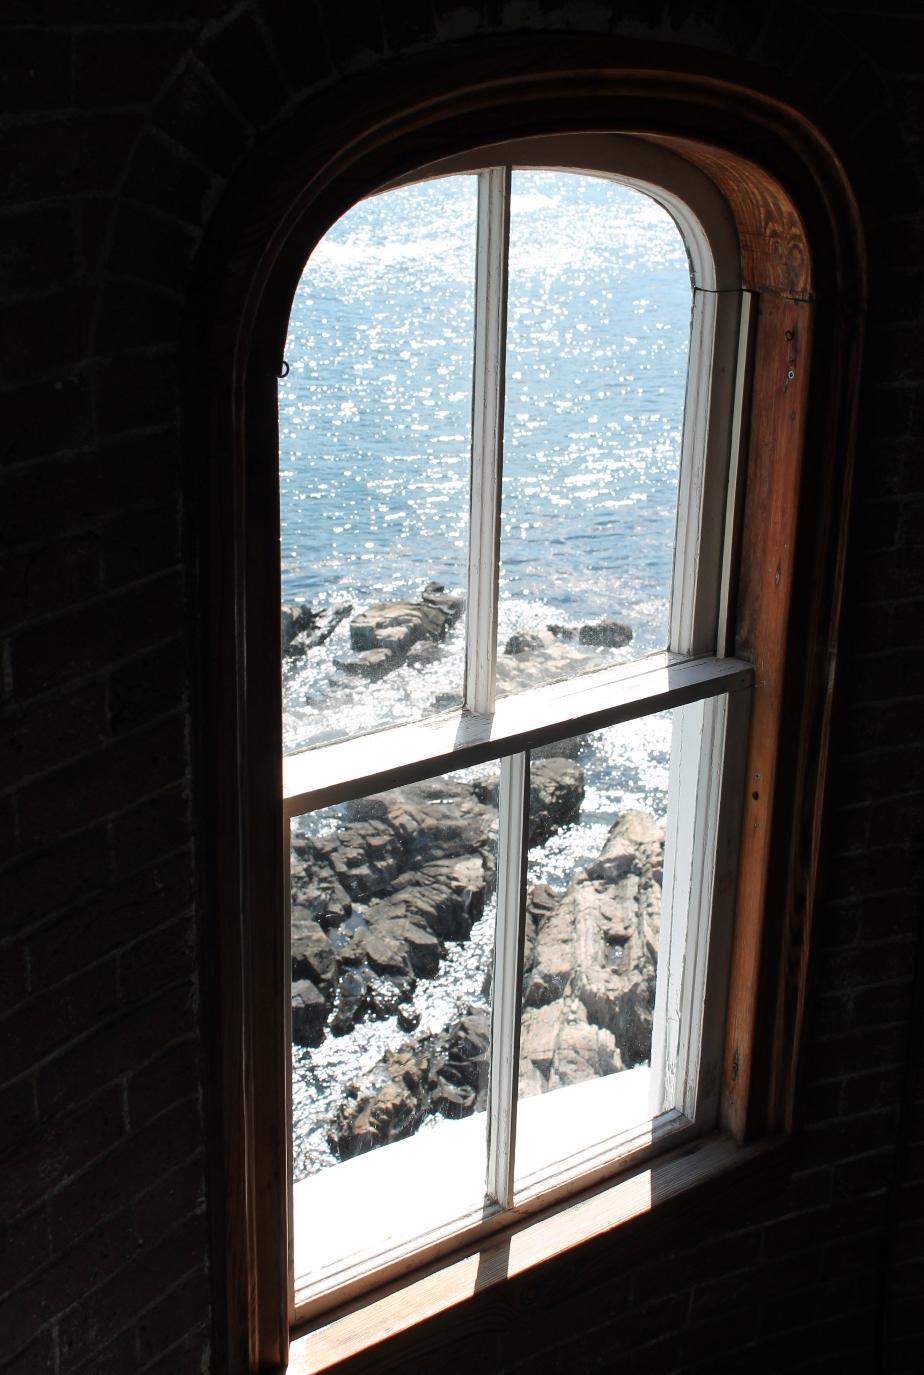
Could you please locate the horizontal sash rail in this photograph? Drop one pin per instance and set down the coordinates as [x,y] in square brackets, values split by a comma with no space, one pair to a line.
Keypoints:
[329,773]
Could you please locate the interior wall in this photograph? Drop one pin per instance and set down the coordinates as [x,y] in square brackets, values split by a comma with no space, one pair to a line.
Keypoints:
[122,122]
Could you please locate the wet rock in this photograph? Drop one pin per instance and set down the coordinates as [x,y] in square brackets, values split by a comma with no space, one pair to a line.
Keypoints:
[444,1074]
[435,594]
[309,1009]
[363,857]
[423,654]
[447,896]
[534,658]
[303,628]
[556,791]
[351,1001]
[611,634]
[313,956]
[318,895]
[408,1017]
[594,961]
[371,663]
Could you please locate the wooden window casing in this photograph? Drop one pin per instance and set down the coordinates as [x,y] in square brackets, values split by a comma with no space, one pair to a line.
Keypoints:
[803,272]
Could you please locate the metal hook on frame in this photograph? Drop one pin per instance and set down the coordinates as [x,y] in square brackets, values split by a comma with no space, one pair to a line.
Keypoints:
[284,370]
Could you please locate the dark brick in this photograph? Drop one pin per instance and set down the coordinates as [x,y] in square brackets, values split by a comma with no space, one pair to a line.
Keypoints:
[141,545]
[188,1357]
[875,1090]
[867,1174]
[49,1022]
[117,1048]
[26,1251]
[44,418]
[136,315]
[17,1116]
[137,392]
[108,630]
[37,885]
[47,336]
[36,70]
[299,40]
[152,246]
[69,494]
[65,156]
[354,34]
[139,903]
[170,1320]
[407,25]
[193,113]
[38,1358]
[59,1148]
[179,1195]
[36,246]
[143,1159]
[238,59]
[158,826]
[148,687]
[116,1357]
[162,959]
[39,582]
[71,1276]
[124,66]
[150,1272]
[866,965]
[161,173]
[171,1078]
[51,733]
[9,841]
[116,777]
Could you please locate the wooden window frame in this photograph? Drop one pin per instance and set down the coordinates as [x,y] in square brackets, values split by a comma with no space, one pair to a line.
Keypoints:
[805,273]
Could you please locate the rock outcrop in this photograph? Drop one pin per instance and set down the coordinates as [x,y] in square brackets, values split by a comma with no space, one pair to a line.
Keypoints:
[534,657]
[590,964]
[384,636]
[303,628]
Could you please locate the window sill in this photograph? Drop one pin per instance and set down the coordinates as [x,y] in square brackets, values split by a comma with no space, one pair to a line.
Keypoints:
[641,1204]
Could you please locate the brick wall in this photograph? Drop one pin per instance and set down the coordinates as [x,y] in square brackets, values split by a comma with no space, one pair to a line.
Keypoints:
[121,123]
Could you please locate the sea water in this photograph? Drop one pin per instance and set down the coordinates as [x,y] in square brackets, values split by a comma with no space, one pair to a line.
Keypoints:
[375,438]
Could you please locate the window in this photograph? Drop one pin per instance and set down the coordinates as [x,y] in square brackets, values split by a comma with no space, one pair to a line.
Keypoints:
[569,1069]
[720,157]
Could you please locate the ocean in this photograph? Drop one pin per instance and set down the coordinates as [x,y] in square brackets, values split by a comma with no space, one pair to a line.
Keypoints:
[374,439]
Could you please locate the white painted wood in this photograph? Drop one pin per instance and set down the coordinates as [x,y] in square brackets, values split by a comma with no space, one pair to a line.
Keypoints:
[330,773]
[704,472]
[707,752]
[734,505]
[506,986]
[688,195]
[487,436]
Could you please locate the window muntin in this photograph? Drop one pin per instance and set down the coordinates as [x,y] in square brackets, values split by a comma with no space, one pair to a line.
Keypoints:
[341,771]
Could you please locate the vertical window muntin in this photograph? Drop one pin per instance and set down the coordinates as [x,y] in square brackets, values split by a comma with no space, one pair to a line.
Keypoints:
[709,729]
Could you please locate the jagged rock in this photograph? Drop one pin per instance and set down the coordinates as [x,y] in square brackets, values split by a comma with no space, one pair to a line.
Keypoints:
[594,960]
[611,634]
[313,956]
[304,628]
[556,791]
[309,1010]
[447,896]
[435,594]
[424,653]
[371,663]
[542,659]
[317,893]
[444,1074]
[408,1017]
[351,1001]
[363,857]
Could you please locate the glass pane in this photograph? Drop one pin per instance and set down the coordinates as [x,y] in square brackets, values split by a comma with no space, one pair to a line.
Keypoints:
[393,903]
[592,938]
[597,342]
[374,443]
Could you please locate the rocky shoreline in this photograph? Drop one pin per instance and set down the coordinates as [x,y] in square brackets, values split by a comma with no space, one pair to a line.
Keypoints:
[400,877]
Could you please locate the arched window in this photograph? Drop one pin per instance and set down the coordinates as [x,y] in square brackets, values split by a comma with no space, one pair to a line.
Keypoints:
[734,918]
